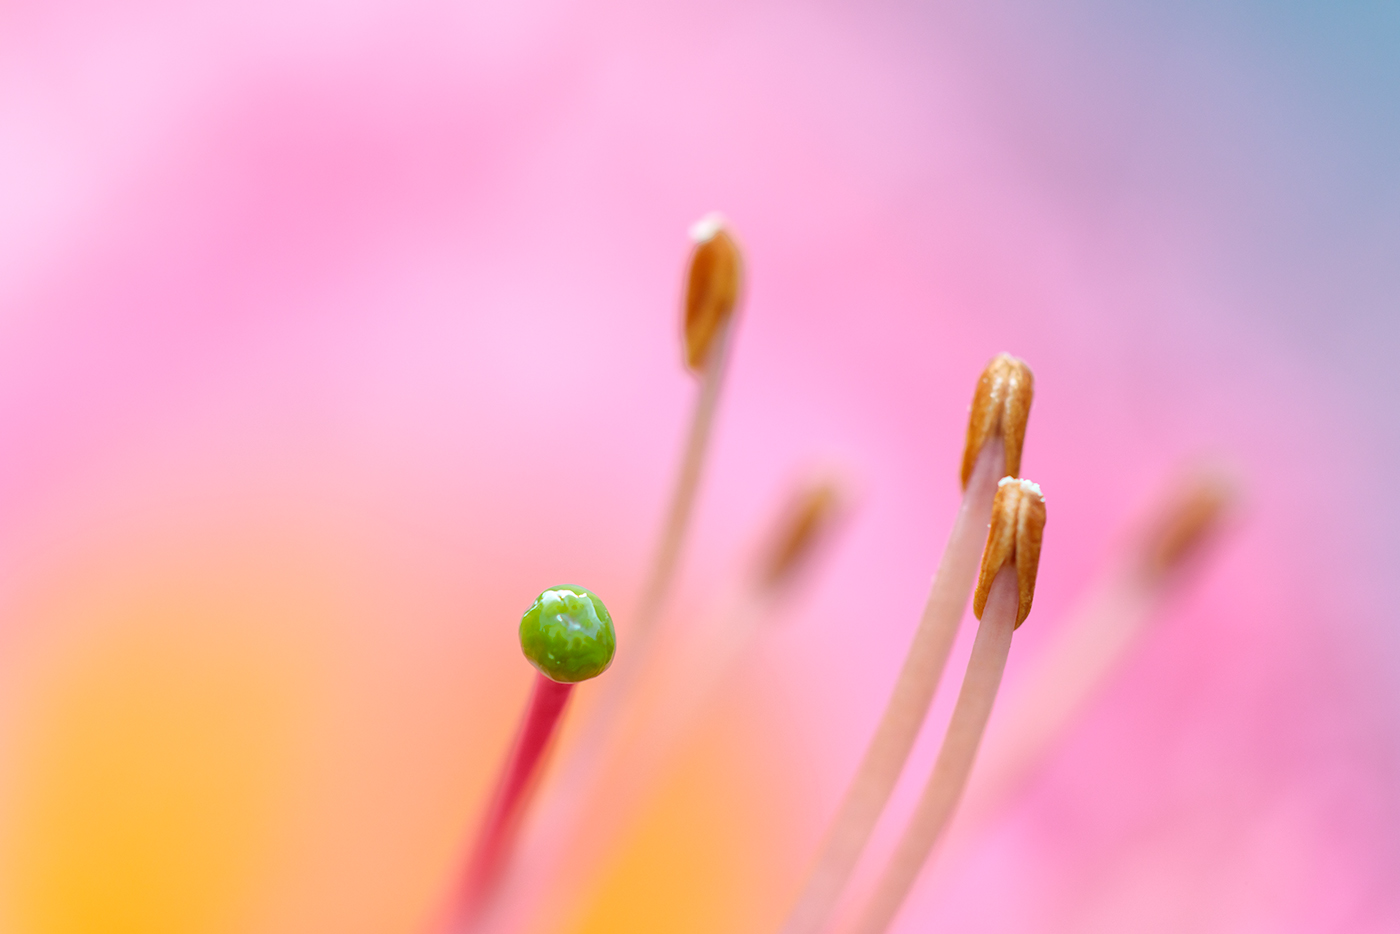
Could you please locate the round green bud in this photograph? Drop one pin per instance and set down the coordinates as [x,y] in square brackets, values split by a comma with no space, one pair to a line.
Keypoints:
[568,635]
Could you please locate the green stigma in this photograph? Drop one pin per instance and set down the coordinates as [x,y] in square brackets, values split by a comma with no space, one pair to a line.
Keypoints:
[568,635]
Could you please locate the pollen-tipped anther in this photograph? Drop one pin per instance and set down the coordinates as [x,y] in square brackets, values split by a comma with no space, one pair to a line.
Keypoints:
[1018,522]
[712,287]
[1002,404]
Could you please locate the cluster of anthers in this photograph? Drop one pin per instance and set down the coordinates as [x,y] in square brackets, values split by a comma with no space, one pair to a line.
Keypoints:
[567,634]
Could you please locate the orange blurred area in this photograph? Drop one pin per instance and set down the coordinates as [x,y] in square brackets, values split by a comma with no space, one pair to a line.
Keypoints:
[216,725]
[703,851]
[159,750]
[209,729]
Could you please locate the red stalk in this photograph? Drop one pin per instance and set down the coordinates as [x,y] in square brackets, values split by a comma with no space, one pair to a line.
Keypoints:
[496,838]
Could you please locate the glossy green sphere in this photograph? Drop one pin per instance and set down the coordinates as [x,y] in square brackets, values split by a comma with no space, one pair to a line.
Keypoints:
[568,635]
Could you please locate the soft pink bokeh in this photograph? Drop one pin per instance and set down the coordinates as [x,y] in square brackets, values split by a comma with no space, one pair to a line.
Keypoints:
[383,297]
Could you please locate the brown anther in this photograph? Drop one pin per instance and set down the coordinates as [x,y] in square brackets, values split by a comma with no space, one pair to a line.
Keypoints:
[1002,403]
[1018,522]
[1188,521]
[805,523]
[712,288]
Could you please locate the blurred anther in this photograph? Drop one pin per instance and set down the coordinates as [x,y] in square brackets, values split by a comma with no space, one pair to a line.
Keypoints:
[1187,522]
[712,288]
[805,523]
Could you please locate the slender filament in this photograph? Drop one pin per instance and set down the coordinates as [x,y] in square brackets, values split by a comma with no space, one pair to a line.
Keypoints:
[908,705]
[955,758]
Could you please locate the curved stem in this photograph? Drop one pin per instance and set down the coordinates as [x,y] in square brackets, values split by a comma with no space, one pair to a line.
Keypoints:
[668,548]
[908,706]
[497,835]
[955,758]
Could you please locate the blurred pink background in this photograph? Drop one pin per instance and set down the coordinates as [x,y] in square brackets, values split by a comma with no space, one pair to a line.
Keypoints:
[332,333]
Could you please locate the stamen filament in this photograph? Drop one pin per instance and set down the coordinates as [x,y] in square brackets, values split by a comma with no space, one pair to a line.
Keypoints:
[668,549]
[1093,644]
[1005,592]
[908,705]
[955,758]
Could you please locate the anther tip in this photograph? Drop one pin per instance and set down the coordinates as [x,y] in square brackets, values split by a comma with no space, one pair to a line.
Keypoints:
[1017,527]
[712,289]
[1001,405]
[706,227]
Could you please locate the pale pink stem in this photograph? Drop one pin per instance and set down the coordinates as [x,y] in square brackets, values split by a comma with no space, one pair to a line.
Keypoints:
[955,758]
[498,830]
[582,769]
[1084,655]
[1087,652]
[667,555]
[908,706]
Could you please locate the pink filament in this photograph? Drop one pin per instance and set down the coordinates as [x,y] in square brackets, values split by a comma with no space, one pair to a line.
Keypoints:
[955,758]
[908,706]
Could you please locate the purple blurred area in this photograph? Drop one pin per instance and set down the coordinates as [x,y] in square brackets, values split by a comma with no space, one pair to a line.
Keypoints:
[389,290]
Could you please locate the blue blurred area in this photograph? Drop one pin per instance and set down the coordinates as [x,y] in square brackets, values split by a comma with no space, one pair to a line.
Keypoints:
[1266,135]
[1276,126]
